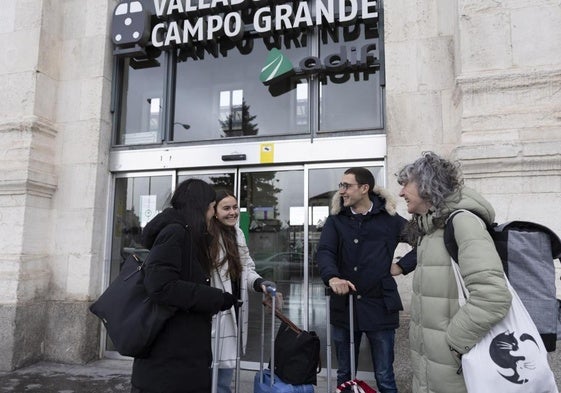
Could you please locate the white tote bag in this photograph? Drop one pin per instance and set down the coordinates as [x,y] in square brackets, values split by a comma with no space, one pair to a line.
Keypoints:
[511,357]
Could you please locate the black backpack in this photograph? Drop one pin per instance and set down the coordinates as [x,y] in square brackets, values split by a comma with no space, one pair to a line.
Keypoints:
[527,251]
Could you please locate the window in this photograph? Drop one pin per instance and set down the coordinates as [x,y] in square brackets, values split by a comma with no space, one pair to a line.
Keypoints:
[141,108]
[212,91]
[331,80]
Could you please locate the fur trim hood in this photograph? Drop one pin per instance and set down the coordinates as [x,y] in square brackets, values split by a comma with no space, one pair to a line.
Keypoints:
[390,204]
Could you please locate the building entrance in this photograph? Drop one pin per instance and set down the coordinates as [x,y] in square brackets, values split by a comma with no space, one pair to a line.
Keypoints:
[282,211]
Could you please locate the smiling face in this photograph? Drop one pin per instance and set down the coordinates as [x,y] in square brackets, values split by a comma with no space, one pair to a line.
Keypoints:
[354,195]
[227,211]
[415,204]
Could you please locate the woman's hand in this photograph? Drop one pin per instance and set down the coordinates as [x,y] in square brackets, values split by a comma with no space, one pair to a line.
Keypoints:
[278,296]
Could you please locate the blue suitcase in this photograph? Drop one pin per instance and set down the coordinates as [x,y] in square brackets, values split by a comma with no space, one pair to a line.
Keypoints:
[278,386]
[262,382]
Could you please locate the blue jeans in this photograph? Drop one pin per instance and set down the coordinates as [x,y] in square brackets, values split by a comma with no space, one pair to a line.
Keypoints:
[382,351]
[225,376]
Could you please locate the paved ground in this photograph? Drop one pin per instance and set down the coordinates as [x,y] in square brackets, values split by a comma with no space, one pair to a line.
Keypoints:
[112,376]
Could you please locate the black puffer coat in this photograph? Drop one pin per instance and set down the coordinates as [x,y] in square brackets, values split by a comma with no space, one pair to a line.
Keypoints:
[181,357]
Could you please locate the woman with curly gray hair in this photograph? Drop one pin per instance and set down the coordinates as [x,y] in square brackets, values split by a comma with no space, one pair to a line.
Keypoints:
[440,330]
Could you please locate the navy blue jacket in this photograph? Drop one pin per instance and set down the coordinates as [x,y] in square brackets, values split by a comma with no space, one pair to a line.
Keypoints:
[360,248]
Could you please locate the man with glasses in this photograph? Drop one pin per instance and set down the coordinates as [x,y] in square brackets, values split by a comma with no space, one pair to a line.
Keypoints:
[355,254]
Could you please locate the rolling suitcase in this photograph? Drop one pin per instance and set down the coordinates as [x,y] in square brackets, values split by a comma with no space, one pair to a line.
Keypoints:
[265,381]
[355,385]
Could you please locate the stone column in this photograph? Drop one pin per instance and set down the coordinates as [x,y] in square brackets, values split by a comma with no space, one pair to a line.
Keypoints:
[54,143]
[422,99]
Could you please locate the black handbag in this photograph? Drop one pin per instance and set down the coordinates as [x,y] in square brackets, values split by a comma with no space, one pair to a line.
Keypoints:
[131,318]
[297,353]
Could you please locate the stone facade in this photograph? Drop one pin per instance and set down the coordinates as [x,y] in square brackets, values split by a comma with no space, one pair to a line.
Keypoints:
[478,80]
[55,130]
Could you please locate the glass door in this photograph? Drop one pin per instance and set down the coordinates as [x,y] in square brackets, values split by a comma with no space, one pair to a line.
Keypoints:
[282,212]
[321,187]
[272,205]
[137,199]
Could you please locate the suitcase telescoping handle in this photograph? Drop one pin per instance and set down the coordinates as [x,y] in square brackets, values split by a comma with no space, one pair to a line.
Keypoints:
[239,345]
[216,360]
[352,335]
[328,294]
[273,292]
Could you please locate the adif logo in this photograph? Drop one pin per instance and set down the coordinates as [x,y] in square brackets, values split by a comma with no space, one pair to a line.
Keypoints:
[280,75]
[507,353]
[276,66]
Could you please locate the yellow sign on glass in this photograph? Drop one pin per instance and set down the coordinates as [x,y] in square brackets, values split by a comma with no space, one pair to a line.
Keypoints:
[267,153]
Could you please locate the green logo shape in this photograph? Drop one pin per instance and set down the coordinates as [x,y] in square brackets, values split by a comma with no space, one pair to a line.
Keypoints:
[275,66]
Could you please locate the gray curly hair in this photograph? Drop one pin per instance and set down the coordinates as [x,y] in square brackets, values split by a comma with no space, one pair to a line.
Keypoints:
[436,178]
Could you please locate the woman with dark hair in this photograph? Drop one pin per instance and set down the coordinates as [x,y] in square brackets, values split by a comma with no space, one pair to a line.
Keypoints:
[440,330]
[233,271]
[177,274]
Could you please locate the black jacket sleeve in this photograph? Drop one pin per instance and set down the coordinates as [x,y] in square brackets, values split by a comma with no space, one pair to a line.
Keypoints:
[174,277]
[408,262]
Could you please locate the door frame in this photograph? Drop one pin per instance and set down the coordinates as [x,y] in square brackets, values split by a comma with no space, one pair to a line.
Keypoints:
[237,171]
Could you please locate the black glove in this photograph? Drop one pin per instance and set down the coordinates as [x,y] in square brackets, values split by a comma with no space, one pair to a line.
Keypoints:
[228,302]
[269,284]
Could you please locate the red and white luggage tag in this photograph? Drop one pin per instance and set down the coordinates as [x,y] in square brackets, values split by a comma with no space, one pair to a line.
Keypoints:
[357,385]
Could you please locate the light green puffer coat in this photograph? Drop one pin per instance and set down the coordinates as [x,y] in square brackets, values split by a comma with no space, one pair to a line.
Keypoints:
[437,321]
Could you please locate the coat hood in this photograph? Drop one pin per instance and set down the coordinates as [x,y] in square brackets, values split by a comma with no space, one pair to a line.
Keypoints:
[153,228]
[471,200]
[383,195]
[467,199]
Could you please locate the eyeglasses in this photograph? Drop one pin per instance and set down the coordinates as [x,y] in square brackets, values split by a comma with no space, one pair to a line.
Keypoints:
[346,186]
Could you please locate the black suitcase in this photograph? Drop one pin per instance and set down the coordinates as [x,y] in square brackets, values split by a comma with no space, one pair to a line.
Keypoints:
[265,381]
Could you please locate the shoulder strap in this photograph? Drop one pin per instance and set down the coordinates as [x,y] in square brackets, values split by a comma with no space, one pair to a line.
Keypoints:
[450,239]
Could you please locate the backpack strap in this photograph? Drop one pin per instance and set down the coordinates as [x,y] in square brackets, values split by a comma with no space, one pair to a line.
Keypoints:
[450,239]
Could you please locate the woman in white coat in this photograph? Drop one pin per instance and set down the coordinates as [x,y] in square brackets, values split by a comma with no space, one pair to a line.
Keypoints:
[234,272]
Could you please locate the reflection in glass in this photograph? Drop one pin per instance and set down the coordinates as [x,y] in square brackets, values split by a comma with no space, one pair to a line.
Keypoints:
[302,106]
[219,94]
[137,201]
[223,97]
[235,116]
[219,181]
[360,94]
[275,241]
[155,114]
[141,105]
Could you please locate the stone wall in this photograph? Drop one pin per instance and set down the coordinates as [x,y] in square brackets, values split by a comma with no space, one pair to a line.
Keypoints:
[55,130]
[479,81]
